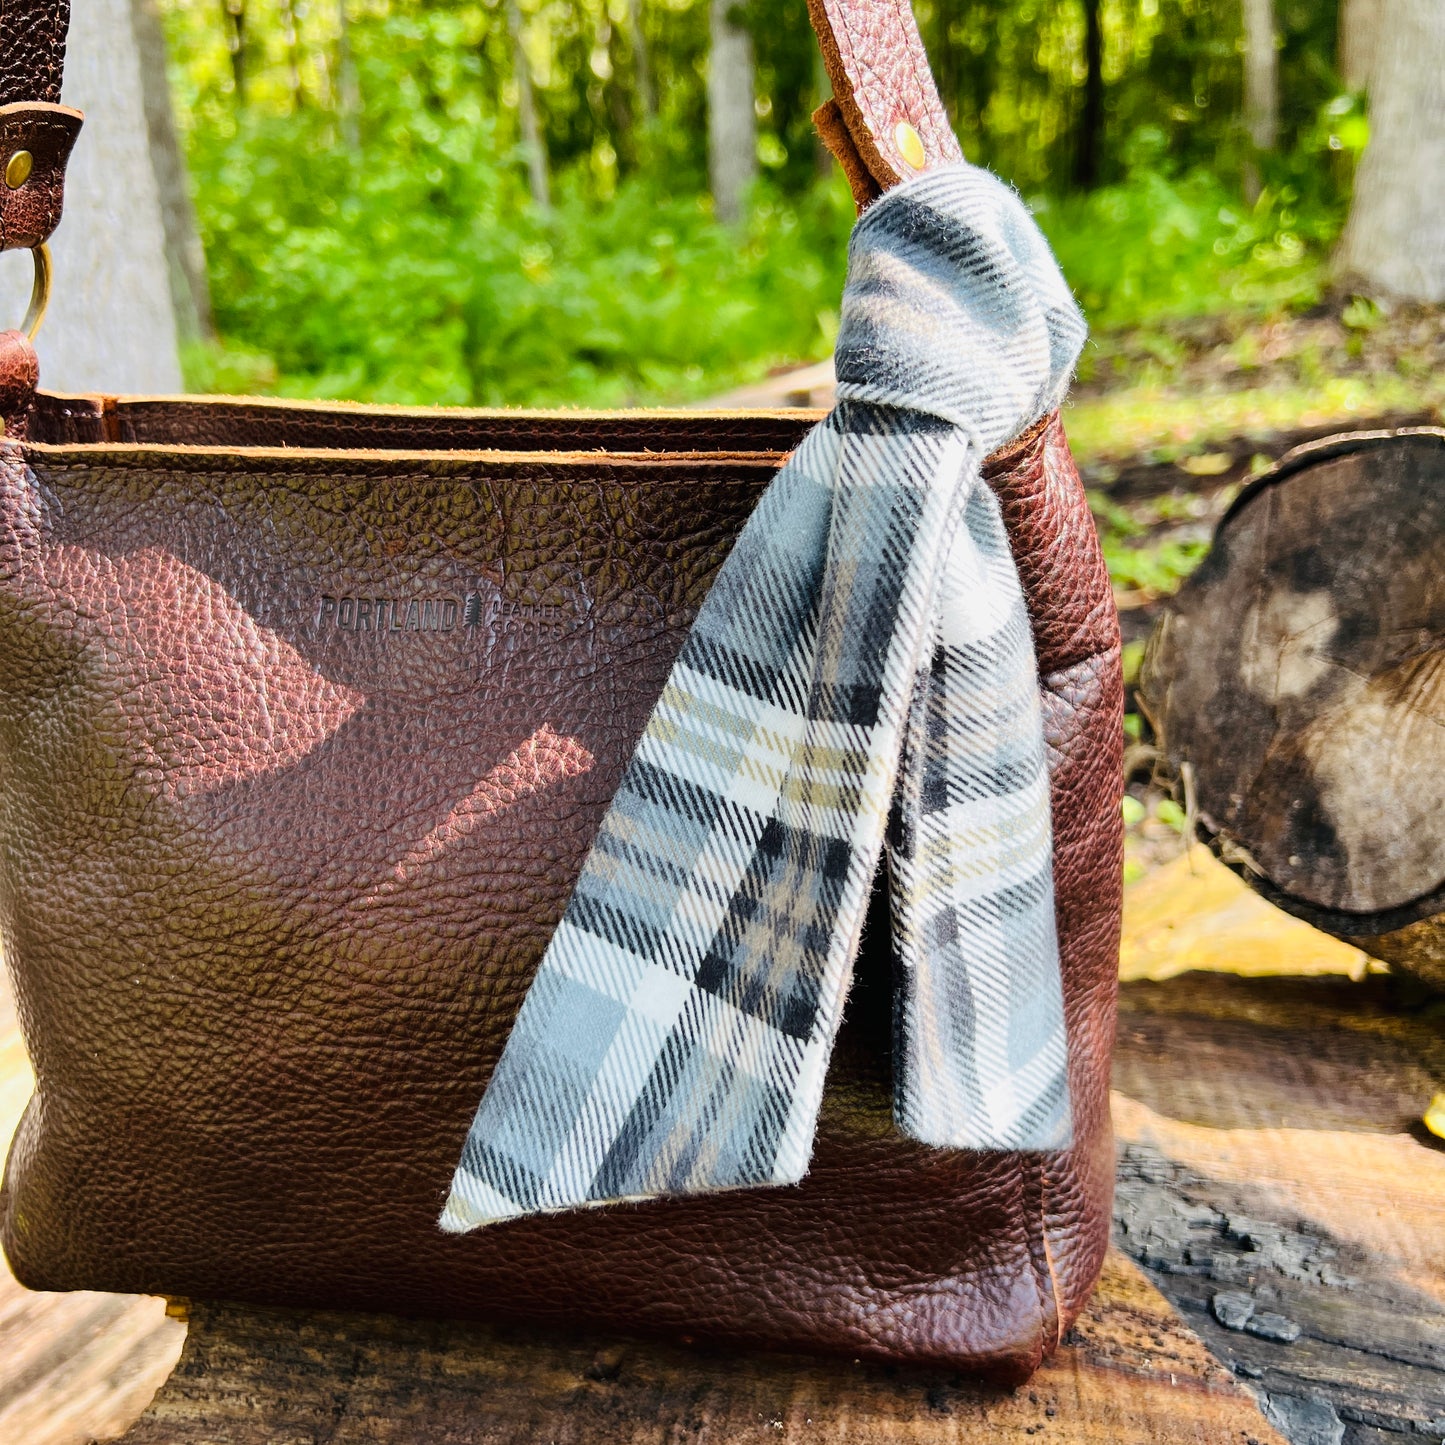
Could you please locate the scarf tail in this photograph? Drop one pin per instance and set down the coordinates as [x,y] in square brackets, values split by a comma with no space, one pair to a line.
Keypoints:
[980,1039]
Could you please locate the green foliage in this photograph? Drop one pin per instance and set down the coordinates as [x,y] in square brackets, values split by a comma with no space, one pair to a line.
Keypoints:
[1137,561]
[1155,247]
[1170,813]
[1011,73]
[1162,243]
[1157,570]
[431,280]
[362,197]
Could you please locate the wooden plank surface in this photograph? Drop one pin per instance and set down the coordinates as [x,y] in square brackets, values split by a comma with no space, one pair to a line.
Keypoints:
[1272,1146]
[1288,1162]
[1131,1373]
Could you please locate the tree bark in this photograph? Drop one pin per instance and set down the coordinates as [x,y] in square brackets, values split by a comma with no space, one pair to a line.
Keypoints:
[1394,241]
[641,61]
[1091,117]
[190,288]
[348,87]
[1261,88]
[1358,41]
[532,143]
[732,139]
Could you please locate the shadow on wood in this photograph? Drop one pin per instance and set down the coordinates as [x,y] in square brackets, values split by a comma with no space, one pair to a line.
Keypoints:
[1271,1149]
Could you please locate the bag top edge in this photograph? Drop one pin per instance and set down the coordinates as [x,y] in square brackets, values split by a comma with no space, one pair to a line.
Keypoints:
[175,456]
[101,401]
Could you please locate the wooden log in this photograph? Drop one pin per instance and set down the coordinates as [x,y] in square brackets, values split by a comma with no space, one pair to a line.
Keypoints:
[1297,685]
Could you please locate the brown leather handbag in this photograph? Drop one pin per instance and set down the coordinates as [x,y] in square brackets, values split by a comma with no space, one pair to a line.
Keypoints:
[308,714]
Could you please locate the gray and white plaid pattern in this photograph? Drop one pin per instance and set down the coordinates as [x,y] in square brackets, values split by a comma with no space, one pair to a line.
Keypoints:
[861,672]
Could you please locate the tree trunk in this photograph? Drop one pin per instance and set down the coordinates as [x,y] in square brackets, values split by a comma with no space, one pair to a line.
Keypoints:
[234,13]
[190,288]
[1359,40]
[641,62]
[946,53]
[1091,117]
[348,88]
[1394,242]
[1297,684]
[291,38]
[620,98]
[1261,88]
[732,139]
[532,142]
[111,325]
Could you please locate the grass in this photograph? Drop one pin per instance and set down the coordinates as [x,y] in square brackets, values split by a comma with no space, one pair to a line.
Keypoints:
[1159,421]
[1204,393]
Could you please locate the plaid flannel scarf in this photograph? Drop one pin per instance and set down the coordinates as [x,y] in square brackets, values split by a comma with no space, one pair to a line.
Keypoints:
[861,674]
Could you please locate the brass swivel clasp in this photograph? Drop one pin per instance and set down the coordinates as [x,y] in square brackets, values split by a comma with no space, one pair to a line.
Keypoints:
[39,291]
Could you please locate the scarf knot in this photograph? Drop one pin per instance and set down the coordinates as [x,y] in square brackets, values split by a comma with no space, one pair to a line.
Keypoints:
[859,682]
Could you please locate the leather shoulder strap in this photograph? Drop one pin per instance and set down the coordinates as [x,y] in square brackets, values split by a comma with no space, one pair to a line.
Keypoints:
[32,49]
[36,131]
[885,122]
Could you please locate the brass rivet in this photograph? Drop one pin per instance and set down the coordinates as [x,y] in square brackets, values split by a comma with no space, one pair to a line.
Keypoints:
[910,147]
[18,168]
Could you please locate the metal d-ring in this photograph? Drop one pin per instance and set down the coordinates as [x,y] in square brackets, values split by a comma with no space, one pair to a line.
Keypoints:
[39,291]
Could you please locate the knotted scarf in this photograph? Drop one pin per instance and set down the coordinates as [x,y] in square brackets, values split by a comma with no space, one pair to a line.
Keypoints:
[861,675]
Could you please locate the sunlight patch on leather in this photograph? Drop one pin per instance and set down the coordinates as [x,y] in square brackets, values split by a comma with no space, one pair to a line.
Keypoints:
[546,758]
[207,695]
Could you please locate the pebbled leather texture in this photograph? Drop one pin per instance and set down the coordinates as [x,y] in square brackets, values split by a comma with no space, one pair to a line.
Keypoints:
[272,887]
[879,70]
[32,49]
[19,376]
[30,213]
